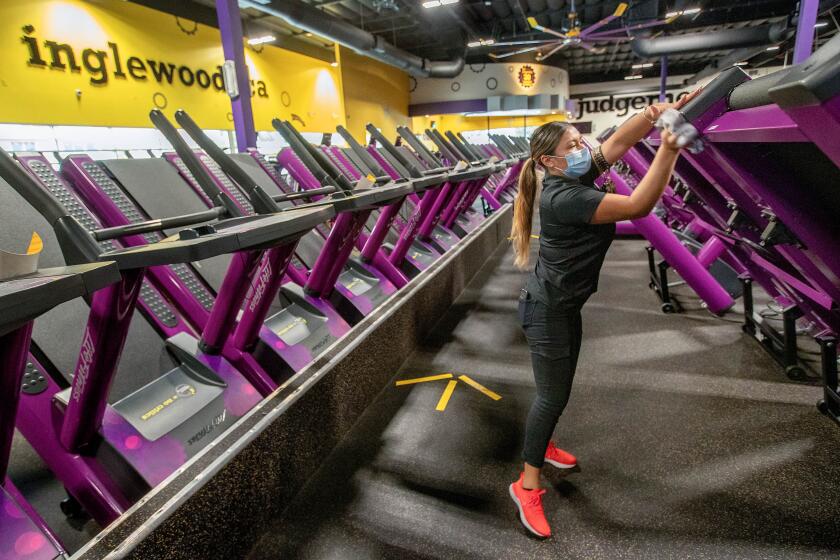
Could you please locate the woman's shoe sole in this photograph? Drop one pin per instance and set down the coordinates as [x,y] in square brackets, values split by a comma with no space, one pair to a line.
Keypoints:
[560,465]
[522,514]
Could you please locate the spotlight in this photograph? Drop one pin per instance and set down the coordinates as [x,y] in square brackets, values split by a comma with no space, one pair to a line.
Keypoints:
[262,40]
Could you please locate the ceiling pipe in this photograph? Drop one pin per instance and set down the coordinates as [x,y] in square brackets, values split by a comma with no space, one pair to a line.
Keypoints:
[744,54]
[716,40]
[325,25]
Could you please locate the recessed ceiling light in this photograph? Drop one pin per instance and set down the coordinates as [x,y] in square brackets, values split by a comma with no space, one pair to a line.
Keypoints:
[643,65]
[740,64]
[634,77]
[821,24]
[773,48]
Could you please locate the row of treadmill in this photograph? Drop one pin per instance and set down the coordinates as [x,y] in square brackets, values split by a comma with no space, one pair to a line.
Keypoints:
[241,272]
[756,203]
[245,270]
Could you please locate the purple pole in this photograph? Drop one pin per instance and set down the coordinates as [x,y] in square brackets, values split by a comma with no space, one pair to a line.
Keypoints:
[680,258]
[230,26]
[663,78]
[711,250]
[14,347]
[232,293]
[102,344]
[268,280]
[805,30]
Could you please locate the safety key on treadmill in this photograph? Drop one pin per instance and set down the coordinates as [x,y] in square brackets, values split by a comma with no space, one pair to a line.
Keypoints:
[20,264]
[687,136]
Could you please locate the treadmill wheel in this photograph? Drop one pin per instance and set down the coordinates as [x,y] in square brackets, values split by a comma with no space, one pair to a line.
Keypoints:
[668,308]
[72,508]
[796,373]
[822,406]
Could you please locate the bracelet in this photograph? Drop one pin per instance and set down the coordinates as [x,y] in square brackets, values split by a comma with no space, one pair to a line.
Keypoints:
[644,116]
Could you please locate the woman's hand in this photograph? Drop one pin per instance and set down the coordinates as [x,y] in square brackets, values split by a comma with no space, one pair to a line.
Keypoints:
[669,142]
[652,112]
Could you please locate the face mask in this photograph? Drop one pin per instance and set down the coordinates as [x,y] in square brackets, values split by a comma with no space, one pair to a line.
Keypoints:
[577,163]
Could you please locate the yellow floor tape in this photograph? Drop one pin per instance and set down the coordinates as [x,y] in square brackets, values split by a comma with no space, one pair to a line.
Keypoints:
[424,379]
[476,385]
[447,394]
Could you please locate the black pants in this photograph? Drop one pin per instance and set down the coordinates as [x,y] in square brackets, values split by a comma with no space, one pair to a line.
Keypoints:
[554,337]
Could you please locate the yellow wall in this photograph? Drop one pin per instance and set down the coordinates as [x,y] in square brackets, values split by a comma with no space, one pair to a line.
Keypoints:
[375,93]
[39,94]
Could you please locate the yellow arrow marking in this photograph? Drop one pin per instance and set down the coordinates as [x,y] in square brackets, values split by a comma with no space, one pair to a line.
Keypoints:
[476,385]
[424,379]
[447,393]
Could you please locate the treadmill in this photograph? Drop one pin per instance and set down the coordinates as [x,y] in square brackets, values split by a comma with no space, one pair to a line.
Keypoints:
[23,533]
[139,403]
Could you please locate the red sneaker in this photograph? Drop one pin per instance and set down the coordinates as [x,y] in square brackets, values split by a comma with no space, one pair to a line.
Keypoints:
[559,458]
[529,504]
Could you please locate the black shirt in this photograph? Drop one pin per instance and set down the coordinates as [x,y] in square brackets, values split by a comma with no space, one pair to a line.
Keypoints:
[571,249]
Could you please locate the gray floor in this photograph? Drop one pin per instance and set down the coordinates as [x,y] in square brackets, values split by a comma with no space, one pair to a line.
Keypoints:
[691,444]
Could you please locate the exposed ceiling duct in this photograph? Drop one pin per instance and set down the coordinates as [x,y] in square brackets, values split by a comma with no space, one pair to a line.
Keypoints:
[704,42]
[325,25]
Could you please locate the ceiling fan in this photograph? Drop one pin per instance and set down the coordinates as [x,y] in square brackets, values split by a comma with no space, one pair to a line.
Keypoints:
[573,36]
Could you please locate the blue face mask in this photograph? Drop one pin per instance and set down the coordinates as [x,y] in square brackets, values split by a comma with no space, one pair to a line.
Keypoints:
[577,163]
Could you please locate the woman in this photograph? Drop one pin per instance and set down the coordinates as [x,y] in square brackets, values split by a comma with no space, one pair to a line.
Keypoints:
[577,224]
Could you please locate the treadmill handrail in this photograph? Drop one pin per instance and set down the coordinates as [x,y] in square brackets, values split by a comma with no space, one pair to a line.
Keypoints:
[77,243]
[301,152]
[202,178]
[363,154]
[150,226]
[306,157]
[260,200]
[324,162]
[304,194]
[431,159]
[388,145]
[444,148]
[466,154]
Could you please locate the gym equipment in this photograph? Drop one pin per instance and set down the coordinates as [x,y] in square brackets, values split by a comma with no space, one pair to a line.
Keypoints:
[108,455]
[762,138]
[23,533]
[354,288]
[714,281]
[311,169]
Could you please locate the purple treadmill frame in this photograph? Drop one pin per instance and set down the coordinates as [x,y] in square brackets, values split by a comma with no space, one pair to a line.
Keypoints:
[430,224]
[22,530]
[215,326]
[61,445]
[296,356]
[323,278]
[371,245]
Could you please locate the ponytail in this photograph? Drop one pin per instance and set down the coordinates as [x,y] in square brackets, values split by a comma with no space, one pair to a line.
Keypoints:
[544,141]
[523,214]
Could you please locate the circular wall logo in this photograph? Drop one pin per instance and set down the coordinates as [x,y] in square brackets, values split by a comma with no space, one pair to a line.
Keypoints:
[527,77]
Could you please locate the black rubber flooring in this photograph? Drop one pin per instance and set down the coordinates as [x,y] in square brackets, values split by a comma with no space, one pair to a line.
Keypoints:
[691,442]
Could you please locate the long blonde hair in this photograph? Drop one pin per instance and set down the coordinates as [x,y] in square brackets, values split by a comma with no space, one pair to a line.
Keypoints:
[544,140]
